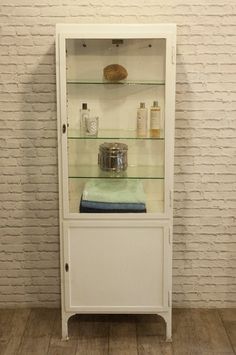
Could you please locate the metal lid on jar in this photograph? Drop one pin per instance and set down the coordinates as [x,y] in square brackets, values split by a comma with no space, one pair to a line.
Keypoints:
[113,147]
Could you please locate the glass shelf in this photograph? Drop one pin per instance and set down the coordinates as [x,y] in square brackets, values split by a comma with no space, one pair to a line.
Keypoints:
[111,134]
[132,172]
[122,82]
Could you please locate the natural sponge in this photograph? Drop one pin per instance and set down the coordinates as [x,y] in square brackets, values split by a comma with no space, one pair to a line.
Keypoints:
[115,72]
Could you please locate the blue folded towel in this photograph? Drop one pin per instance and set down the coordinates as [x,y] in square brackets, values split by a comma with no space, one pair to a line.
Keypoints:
[112,206]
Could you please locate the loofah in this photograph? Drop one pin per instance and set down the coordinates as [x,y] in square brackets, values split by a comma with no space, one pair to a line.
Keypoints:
[115,72]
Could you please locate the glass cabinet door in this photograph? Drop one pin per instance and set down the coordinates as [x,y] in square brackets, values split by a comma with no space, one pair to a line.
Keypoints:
[111,117]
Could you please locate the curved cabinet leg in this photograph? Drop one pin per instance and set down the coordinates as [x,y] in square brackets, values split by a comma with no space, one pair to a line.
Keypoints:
[168,320]
[167,316]
[168,331]
[64,324]
[64,327]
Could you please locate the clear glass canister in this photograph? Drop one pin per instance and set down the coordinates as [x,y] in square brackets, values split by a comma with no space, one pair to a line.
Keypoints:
[113,156]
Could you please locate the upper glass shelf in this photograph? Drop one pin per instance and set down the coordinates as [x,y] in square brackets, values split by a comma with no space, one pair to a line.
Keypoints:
[112,134]
[122,82]
[132,172]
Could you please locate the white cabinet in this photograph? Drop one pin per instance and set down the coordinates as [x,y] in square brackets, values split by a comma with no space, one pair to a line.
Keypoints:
[116,225]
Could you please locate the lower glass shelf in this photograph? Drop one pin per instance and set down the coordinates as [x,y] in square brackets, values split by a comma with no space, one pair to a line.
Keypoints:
[132,172]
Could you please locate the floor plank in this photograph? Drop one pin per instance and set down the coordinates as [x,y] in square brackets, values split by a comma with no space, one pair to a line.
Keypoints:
[12,346]
[93,346]
[149,345]
[19,321]
[228,317]
[56,345]
[184,333]
[231,332]
[6,316]
[227,314]
[3,345]
[151,332]
[210,332]
[195,332]
[122,335]
[40,322]
[150,325]
[34,346]
[92,334]
[38,332]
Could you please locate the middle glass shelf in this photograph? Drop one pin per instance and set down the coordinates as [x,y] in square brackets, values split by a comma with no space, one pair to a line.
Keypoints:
[132,172]
[112,134]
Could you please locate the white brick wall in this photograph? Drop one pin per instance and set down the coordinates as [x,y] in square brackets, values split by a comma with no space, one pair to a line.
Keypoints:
[205,164]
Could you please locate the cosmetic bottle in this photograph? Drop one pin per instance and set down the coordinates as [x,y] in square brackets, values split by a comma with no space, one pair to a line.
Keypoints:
[155,120]
[84,115]
[91,125]
[142,118]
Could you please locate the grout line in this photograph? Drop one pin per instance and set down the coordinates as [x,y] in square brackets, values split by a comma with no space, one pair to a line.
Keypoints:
[226,331]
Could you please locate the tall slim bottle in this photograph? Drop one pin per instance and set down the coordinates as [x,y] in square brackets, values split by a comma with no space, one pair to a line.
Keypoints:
[84,114]
[142,119]
[155,120]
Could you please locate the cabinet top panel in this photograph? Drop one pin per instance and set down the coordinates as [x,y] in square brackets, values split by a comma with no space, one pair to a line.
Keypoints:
[116,30]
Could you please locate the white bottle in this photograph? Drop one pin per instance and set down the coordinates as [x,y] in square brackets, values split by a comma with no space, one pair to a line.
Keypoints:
[142,119]
[155,120]
[84,115]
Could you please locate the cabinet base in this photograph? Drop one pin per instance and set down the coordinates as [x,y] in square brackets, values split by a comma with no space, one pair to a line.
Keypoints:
[166,315]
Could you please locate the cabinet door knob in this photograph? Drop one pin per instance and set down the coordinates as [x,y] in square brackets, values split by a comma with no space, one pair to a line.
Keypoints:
[66,267]
[64,128]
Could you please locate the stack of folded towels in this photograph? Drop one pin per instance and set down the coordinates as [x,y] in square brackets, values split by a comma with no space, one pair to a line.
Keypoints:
[113,196]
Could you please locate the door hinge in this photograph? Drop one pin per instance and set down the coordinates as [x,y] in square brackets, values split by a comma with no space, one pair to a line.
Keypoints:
[173,55]
[169,298]
[66,267]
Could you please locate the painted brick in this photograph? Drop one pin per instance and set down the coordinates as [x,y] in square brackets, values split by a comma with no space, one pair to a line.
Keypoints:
[205,145]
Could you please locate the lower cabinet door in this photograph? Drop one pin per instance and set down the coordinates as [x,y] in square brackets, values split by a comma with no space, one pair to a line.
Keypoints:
[115,268]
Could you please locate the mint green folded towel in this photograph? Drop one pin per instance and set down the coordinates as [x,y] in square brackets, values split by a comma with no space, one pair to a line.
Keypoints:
[106,190]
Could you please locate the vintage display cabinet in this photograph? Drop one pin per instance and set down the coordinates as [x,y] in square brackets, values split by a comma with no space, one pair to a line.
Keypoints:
[116,113]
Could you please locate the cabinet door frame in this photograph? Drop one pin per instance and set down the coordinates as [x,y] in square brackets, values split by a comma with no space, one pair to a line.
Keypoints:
[106,31]
[166,257]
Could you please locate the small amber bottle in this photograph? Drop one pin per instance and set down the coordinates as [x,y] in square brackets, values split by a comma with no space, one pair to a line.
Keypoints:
[155,120]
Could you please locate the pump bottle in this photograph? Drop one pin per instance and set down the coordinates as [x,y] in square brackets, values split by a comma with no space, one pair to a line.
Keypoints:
[155,120]
[142,118]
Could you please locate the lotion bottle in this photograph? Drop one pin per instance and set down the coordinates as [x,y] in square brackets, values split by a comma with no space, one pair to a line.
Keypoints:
[155,120]
[84,115]
[142,118]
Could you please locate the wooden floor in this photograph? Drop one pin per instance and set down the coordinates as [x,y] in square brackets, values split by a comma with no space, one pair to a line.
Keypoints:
[197,332]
